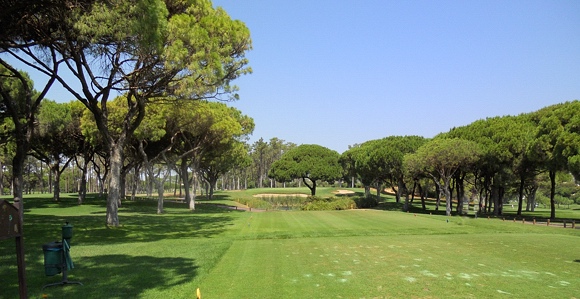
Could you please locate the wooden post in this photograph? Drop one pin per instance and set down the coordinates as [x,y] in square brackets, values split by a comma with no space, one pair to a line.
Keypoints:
[534,221]
[523,220]
[548,222]
[573,224]
[11,227]
[564,223]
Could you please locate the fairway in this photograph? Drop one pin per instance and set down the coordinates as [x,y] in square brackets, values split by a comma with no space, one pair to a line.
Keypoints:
[342,255]
[293,254]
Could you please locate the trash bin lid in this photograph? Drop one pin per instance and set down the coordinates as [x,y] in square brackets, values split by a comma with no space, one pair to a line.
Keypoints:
[52,246]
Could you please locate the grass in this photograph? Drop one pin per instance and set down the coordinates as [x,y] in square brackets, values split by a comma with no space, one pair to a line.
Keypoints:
[327,254]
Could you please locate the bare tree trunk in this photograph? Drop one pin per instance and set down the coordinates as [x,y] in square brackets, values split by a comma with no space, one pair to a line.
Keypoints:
[116,160]
[552,175]
[56,181]
[367,191]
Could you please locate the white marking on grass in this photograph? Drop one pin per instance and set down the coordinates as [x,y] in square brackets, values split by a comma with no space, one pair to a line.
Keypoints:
[482,265]
[343,280]
[428,273]
[346,273]
[403,266]
[503,292]
[465,276]
[336,262]
[564,283]
[549,273]
[529,274]
[410,279]
[356,261]
[448,276]
[468,284]
[308,275]
[418,260]
[417,266]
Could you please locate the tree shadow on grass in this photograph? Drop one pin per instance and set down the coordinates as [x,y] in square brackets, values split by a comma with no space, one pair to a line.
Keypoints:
[105,276]
[120,276]
[136,226]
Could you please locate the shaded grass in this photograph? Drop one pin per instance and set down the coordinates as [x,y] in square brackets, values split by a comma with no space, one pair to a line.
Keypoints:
[148,256]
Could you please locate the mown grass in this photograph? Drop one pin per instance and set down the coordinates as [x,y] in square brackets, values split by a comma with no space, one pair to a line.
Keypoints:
[321,254]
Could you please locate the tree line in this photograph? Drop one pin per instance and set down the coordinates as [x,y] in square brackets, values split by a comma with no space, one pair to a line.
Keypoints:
[484,160]
[143,51]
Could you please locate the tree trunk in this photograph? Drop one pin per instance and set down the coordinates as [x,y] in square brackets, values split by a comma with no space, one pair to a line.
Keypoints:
[82,186]
[495,199]
[413,192]
[552,195]
[438,194]
[18,179]
[521,195]
[311,187]
[116,161]
[422,196]
[160,191]
[367,191]
[185,179]
[56,180]
[447,193]
[135,182]
[194,184]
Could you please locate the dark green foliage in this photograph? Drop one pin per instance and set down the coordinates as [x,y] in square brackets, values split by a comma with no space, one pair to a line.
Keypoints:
[309,162]
[364,202]
[315,203]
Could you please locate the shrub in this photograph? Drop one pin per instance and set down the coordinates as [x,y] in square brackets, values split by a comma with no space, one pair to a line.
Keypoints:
[366,202]
[315,203]
[254,203]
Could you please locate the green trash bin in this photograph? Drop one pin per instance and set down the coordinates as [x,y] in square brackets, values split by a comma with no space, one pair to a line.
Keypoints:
[67,232]
[52,258]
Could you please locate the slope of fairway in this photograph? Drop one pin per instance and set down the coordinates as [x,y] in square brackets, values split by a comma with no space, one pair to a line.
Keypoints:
[375,254]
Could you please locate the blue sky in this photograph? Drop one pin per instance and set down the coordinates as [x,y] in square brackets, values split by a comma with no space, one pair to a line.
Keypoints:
[337,73]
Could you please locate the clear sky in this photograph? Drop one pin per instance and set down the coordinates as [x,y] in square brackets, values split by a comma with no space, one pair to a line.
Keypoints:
[339,72]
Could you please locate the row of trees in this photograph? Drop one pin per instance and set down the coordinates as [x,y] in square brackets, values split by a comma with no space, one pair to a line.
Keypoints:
[199,137]
[162,50]
[483,160]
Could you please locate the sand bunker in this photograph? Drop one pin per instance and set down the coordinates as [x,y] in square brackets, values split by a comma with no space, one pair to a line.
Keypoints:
[343,192]
[277,195]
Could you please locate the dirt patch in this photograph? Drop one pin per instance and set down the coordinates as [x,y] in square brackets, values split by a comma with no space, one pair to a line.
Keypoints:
[343,192]
[278,195]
